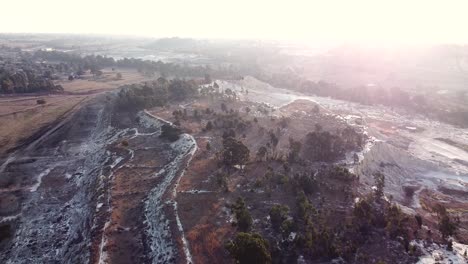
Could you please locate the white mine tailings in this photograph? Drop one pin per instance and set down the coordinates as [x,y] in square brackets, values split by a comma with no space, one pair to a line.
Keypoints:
[163,248]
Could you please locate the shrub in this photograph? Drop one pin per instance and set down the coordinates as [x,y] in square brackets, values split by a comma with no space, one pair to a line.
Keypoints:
[41,101]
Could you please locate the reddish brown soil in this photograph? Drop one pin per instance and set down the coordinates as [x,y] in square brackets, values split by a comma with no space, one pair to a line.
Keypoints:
[429,199]
[127,190]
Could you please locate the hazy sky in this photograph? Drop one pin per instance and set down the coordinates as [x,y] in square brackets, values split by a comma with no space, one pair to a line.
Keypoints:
[347,20]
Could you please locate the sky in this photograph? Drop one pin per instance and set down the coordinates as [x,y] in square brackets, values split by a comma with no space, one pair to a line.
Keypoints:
[400,21]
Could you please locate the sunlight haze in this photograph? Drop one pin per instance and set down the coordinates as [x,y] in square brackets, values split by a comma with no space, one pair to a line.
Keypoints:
[236,132]
[379,21]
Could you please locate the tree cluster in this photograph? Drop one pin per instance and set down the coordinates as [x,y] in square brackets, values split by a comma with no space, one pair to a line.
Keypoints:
[156,93]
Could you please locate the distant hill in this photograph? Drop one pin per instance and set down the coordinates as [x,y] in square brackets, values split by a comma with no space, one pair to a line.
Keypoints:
[175,43]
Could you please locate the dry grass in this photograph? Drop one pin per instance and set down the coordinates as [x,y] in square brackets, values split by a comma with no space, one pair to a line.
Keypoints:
[21,116]
[107,81]
[21,124]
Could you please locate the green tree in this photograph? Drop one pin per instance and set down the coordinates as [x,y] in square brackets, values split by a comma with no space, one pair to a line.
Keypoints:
[294,149]
[446,225]
[249,248]
[355,158]
[278,214]
[363,215]
[418,220]
[207,78]
[234,152]
[316,109]
[396,221]
[261,152]
[379,179]
[169,132]
[209,125]
[242,215]
[223,107]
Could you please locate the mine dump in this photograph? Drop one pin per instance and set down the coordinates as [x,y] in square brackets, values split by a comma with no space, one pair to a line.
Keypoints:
[265,133]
